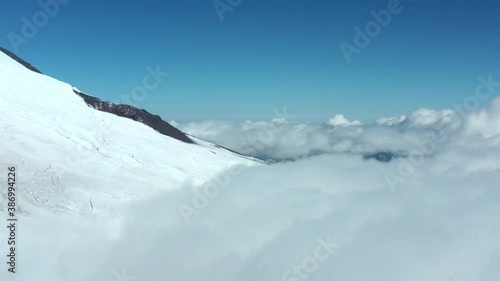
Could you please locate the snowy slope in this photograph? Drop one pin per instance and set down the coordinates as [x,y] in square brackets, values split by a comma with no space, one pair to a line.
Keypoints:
[68,154]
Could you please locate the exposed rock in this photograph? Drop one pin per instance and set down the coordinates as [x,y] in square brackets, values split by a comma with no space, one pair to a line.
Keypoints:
[384,156]
[19,60]
[136,114]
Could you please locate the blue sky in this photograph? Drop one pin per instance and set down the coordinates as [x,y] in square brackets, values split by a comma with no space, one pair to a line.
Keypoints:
[266,54]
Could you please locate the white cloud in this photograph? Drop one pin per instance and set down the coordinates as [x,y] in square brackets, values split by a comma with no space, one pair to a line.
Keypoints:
[432,215]
[425,117]
[485,121]
[442,222]
[286,140]
[439,222]
[340,120]
[391,121]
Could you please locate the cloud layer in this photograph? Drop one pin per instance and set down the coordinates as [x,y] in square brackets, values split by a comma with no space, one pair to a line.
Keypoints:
[287,139]
[431,215]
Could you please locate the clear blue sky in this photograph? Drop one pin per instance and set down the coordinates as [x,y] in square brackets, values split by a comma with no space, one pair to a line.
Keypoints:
[266,54]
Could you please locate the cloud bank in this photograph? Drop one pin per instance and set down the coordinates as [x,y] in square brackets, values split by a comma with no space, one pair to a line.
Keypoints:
[288,140]
[432,215]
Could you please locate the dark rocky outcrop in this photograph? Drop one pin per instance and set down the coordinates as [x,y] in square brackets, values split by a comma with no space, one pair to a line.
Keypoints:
[136,114]
[384,156]
[19,60]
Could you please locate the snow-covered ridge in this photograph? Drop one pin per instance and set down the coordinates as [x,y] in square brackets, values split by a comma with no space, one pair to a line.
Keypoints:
[68,153]
[19,60]
[136,114]
[122,110]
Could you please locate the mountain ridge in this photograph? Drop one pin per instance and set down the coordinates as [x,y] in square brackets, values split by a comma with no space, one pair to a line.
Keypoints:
[121,110]
[70,153]
[20,60]
[136,114]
